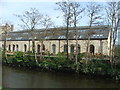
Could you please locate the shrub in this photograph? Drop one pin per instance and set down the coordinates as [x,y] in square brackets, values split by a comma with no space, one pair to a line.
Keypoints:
[95,66]
[10,59]
[19,56]
[61,54]
[29,53]
[80,56]
[44,64]
[117,64]
[29,60]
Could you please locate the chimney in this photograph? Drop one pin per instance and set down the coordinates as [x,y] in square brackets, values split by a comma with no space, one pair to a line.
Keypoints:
[12,27]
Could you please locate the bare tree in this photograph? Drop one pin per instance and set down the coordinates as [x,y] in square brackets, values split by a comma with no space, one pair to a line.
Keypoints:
[5,30]
[5,33]
[77,10]
[31,20]
[46,24]
[111,10]
[94,15]
[65,7]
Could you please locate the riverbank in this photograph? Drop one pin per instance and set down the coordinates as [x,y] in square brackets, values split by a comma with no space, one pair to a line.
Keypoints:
[94,68]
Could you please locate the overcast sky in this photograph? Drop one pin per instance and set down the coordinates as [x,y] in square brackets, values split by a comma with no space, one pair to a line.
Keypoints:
[8,9]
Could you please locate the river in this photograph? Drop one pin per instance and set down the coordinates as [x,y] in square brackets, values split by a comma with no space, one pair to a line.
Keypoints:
[16,78]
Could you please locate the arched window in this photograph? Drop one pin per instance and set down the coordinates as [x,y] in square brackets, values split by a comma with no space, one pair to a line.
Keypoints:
[17,47]
[25,47]
[38,48]
[65,48]
[79,49]
[92,49]
[13,48]
[9,48]
[72,49]
[2,46]
[53,48]
[43,47]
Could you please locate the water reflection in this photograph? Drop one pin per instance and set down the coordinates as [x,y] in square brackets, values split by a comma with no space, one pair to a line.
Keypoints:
[14,78]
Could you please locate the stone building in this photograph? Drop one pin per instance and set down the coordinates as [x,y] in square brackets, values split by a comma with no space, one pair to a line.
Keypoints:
[5,29]
[54,40]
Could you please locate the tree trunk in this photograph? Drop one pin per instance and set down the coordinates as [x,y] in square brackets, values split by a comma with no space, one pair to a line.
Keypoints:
[110,52]
[41,50]
[4,50]
[87,53]
[34,51]
[29,46]
[76,53]
[67,37]
[76,58]
[33,46]
[36,58]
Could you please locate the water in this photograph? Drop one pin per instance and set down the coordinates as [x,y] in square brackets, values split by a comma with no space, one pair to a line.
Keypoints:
[16,78]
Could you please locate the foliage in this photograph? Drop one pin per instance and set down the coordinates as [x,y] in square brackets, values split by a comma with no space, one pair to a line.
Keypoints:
[30,53]
[11,59]
[61,54]
[100,67]
[80,56]
[29,60]
[117,52]
[53,63]
[20,59]
[19,56]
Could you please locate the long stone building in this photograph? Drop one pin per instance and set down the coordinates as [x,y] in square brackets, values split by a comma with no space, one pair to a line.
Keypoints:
[54,40]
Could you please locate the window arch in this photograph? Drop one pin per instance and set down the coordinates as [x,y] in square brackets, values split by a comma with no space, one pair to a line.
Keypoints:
[53,48]
[72,49]
[9,48]
[38,48]
[92,49]
[2,46]
[17,47]
[65,48]
[25,47]
[13,48]
[79,48]
[43,48]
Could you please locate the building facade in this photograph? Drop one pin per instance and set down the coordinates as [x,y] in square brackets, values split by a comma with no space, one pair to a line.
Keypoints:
[54,40]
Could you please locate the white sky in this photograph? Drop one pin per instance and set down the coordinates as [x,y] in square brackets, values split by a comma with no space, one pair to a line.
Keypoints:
[10,7]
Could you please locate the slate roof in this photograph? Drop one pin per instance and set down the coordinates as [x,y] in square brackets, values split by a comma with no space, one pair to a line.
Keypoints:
[98,32]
